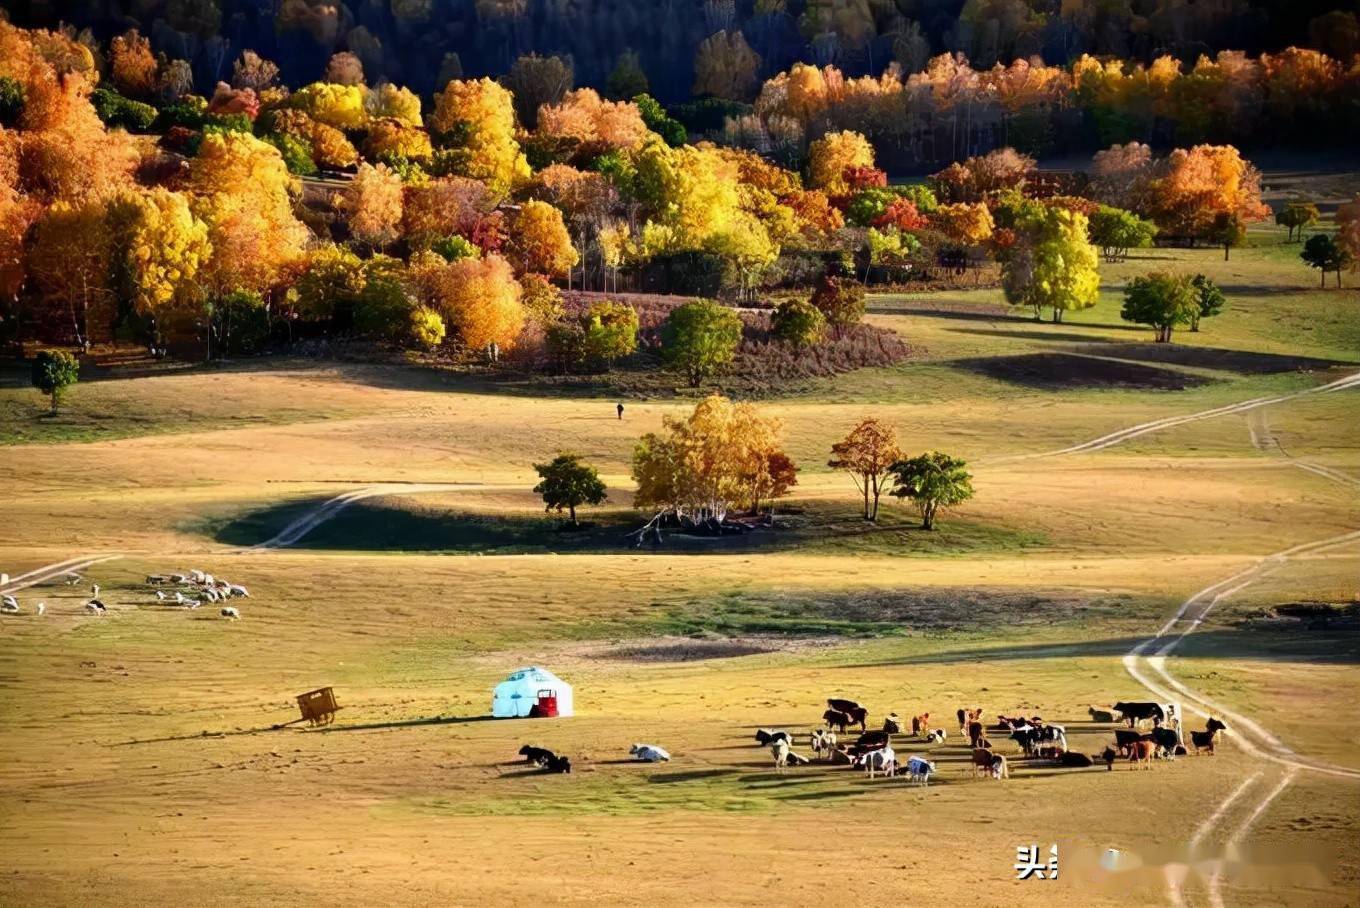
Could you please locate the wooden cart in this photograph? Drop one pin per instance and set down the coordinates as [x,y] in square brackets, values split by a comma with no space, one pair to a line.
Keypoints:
[318,706]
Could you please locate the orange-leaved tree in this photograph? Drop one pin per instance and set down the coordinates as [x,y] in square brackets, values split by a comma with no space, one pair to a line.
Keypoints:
[866,454]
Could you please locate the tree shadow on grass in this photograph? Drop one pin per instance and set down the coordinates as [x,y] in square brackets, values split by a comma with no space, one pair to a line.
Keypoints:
[1048,371]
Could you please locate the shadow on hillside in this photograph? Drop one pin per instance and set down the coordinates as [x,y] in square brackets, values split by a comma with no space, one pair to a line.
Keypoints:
[1049,371]
[1038,334]
[1339,647]
[1245,362]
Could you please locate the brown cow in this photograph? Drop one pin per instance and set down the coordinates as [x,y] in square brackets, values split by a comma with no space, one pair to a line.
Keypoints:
[963,719]
[1142,751]
[982,759]
[920,724]
[975,732]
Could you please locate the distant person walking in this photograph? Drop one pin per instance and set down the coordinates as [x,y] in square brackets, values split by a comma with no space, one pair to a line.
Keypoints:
[620,409]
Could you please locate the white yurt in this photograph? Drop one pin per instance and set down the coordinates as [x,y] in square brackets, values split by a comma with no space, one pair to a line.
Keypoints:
[531,692]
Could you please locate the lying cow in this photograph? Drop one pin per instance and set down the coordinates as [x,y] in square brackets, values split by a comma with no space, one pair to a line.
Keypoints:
[539,755]
[1100,715]
[649,753]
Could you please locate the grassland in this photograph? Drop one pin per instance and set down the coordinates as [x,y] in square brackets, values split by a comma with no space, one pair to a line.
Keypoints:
[141,765]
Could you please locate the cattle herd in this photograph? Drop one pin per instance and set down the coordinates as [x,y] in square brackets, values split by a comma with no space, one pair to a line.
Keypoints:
[872,750]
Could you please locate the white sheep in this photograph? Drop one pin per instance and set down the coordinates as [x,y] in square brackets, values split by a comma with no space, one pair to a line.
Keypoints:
[95,607]
[231,612]
[42,609]
[238,590]
[160,595]
[94,591]
[9,607]
[8,600]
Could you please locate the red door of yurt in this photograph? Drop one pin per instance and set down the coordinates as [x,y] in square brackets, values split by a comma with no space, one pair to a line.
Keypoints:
[546,707]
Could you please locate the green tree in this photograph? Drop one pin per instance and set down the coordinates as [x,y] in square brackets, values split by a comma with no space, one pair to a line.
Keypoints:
[1211,299]
[699,338]
[627,80]
[610,332]
[1053,264]
[567,484]
[1325,254]
[797,322]
[1163,300]
[1298,217]
[932,480]
[53,372]
[1116,231]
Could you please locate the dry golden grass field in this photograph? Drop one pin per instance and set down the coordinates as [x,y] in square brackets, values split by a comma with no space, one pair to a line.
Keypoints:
[139,765]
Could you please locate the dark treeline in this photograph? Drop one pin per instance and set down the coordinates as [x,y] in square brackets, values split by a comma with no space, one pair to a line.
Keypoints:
[687,47]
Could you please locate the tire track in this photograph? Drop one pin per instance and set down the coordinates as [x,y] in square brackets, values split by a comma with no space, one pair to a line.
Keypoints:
[1235,840]
[47,572]
[1156,425]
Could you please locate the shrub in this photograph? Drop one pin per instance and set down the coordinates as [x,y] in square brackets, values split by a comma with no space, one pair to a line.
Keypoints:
[117,111]
[699,338]
[427,327]
[611,333]
[53,372]
[456,247]
[840,300]
[798,322]
[542,300]
[297,153]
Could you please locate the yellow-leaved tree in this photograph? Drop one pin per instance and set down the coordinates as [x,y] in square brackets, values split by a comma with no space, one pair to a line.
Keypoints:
[71,258]
[476,118]
[723,455]
[478,298]
[242,192]
[160,246]
[830,156]
[540,242]
[372,203]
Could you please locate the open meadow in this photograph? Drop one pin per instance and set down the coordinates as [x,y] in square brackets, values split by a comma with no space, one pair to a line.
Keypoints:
[142,764]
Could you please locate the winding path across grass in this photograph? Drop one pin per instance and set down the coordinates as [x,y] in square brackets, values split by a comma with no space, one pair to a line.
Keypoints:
[295,531]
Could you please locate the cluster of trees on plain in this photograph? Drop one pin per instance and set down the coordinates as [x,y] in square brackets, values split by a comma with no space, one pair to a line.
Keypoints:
[716,47]
[458,222]
[726,458]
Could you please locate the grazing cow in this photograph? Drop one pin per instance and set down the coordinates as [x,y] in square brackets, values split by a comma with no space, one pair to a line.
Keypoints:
[780,750]
[1204,740]
[765,737]
[1074,759]
[878,761]
[1125,738]
[1000,770]
[1011,723]
[982,759]
[892,724]
[975,715]
[1108,755]
[539,755]
[859,716]
[1133,713]
[557,764]
[920,724]
[1027,737]
[837,719]
[871,740]
[1166,740]
[1142,752]
[649,753]
[1100,715]
[935,736]
[919,769]
[963,720]
[845,706]
[974,732]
